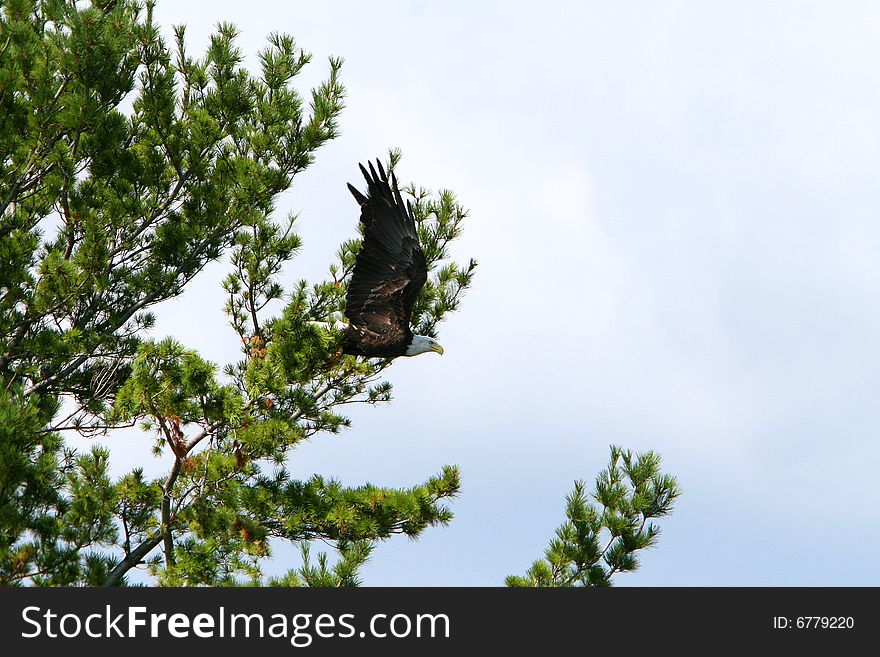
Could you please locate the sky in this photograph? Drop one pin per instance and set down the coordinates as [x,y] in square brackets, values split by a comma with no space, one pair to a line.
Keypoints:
[674,206]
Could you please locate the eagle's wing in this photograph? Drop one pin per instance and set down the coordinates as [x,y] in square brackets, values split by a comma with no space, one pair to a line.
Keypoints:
[390,268]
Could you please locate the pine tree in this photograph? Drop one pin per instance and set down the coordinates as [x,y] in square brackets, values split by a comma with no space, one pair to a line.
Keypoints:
[127,165]
[594,544]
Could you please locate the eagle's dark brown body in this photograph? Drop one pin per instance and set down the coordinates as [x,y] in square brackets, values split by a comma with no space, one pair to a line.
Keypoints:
[361,343]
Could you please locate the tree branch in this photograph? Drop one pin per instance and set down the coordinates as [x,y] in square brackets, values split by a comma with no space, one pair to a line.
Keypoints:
[132,559]
[166,512]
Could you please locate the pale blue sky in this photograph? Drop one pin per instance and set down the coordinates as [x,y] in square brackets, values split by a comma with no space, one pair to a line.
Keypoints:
[675,207]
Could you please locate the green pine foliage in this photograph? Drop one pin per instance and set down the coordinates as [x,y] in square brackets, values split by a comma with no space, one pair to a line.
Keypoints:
[126,165]
[597,542]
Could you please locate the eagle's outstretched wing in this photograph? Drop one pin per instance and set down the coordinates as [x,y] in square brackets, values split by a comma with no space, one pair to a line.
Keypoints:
[390,268]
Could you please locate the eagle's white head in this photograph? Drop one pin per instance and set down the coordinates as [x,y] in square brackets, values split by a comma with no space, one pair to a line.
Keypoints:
[422,344]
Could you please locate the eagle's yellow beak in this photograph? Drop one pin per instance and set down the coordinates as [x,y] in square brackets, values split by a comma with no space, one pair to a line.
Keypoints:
[437,348]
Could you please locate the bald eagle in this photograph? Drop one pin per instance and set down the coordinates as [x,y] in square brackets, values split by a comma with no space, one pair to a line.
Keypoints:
[389,273]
